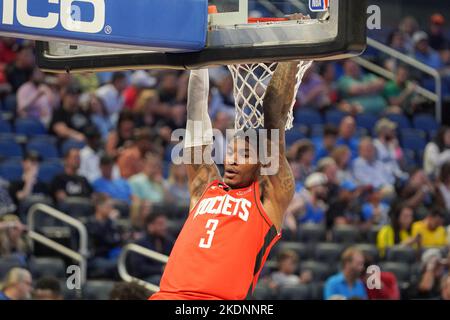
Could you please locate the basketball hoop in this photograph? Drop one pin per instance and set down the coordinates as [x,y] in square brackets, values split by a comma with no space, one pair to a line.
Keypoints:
[250,83]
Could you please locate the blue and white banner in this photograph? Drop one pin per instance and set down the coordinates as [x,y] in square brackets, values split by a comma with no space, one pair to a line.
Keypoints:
[172,24]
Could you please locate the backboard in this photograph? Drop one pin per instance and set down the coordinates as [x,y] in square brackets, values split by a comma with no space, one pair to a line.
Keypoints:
[234,32]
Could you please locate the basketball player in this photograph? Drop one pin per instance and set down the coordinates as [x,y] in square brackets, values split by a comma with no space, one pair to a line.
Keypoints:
[234,221]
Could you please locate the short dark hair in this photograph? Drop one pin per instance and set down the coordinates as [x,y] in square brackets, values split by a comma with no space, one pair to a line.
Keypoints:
[106,159]
[49,283]
[129,291]
[437,211]
[150,218]
[330,130]
[32,156]
[117,76]
[68,151]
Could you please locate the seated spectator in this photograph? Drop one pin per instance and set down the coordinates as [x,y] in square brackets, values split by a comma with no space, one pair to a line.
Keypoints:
[308,205]
[400,92]
[8,50]
[120,138]
[47,288]
[328,73]
[424,53]
[343,209]
[148,186]
[287,264]
[90,155]
[408,26]
[398,231]
[6,203]
[430,229]
[342,156]
[17,285]
[436,33]
[301,157]
[131,159]
[69,121]
[157,239]
[437,152]
[433,268]
[29,184]
[117,188]
[443,188]
[99,115]
[418,192]
[388,149]
[368,171]
[445,287]
[347,284]
[69,183]
[329,168]
[328,143]
[19,71]
[13,241]
[105,238]
[363,89]
[311,93]
[129,291]
[35,99]
[178,185]
[374,211]
[347,135]
[111,94]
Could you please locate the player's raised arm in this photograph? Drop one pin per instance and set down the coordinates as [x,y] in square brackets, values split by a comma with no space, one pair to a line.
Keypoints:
[199,136]
[278,189]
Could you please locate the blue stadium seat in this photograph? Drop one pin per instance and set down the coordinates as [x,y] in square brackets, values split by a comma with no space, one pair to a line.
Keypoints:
[44,148]
[5,127]
[425,122]
[11,170]
[366,121]
[48,170]
[308,118]
[293,135]
[295,292]
[9,149]
[7,263]
[334,117]
[410,132]
[30,127]
[414,143]
[401,120]
[71,144]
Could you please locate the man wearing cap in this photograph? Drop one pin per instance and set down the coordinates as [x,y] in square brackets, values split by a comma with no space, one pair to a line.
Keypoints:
[387,147]
[308,205]
[424,53]
[431,229]
[436,33]
[69,121]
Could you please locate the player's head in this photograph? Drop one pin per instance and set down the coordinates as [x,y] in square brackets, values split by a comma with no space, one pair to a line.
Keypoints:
[242,166]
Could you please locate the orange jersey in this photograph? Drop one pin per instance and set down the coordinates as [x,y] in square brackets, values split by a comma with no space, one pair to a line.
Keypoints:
[222,247]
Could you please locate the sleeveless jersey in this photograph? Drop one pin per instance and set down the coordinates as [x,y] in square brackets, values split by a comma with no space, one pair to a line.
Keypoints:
[222,247]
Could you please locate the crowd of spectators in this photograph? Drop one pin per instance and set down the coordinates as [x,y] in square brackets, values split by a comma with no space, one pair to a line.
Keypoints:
[111,133]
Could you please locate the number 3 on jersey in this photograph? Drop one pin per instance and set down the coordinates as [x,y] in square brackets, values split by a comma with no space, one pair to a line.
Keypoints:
[211,227]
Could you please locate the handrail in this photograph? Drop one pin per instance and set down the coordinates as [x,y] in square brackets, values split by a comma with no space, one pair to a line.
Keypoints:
[123,273]
[418,65]
[78,256]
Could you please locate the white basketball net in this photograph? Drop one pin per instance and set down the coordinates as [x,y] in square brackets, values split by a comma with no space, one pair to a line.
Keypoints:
[250,84]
